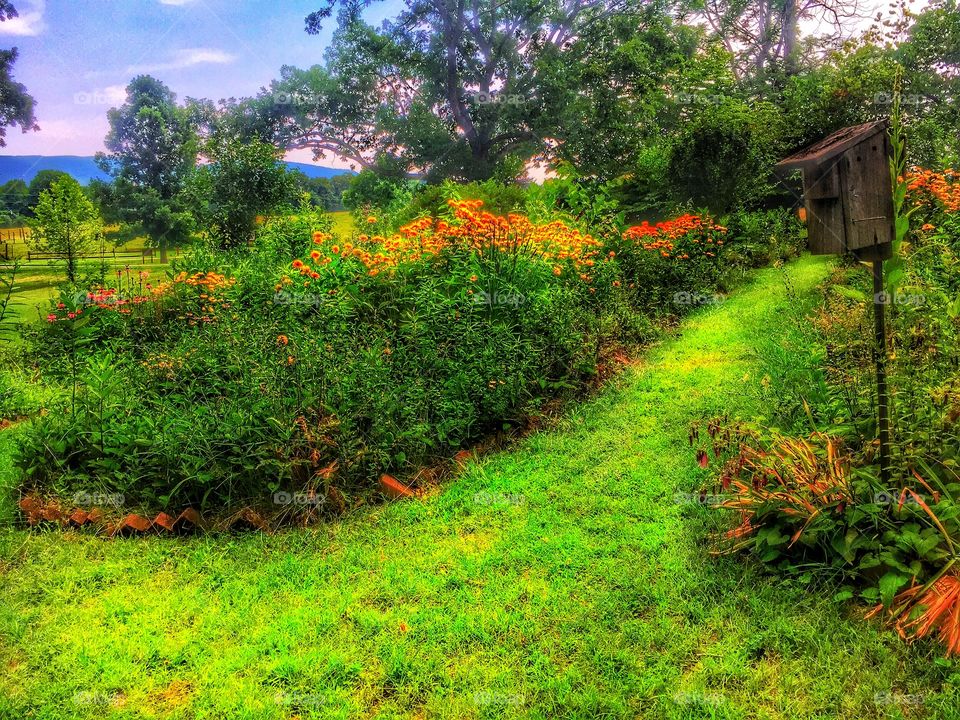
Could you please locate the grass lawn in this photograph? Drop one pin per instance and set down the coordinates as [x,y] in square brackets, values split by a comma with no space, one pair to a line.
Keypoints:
[343,224]
[37,282]
[561,579]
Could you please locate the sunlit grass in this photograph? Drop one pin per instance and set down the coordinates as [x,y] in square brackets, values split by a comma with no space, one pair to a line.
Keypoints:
[343,224]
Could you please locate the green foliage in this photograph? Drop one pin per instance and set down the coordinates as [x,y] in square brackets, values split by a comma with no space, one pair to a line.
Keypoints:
[325,193]
[66,223]
[16,104]
[723,156]
[243,181]
[803,509]
[236,381]
[764,237]
[41,182]
[13,199]
[152,149]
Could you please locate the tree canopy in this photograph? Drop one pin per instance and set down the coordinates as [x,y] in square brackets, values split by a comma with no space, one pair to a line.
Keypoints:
[16,104]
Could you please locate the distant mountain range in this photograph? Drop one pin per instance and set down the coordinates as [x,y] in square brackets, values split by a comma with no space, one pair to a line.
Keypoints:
[84,169]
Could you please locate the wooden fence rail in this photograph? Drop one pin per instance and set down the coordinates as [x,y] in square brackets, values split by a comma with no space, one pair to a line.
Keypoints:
[31,256]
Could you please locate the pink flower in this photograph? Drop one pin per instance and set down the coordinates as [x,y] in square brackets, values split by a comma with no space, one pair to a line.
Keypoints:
[51,318]
[71,315]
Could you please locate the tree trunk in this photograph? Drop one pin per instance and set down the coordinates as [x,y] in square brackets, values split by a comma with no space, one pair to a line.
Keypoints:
[791,31]
[163,251]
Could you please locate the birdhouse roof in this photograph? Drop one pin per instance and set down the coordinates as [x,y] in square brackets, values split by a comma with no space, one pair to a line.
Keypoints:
[832,145]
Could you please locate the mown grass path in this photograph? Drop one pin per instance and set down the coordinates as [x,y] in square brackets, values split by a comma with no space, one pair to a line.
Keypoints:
[561,579]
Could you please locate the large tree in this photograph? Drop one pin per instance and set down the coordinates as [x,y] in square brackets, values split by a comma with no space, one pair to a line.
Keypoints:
[152,149]
[40,183]
[449,88]
[16,105]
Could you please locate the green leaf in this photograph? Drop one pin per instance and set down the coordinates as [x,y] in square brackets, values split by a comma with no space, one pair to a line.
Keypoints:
[889,585]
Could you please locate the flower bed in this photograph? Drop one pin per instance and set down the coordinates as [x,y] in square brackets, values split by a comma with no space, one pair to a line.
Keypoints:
[244,376]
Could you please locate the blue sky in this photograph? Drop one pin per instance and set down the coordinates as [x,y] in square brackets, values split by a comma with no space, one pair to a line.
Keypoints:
[76,57]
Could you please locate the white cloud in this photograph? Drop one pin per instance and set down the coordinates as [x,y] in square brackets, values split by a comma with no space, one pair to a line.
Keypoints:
[29,21]
[183,59]
[179,59]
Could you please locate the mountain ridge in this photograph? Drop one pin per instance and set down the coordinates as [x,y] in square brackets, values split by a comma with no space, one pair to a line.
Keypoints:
[84,168]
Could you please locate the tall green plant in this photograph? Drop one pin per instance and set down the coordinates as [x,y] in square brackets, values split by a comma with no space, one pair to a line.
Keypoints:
[898,170]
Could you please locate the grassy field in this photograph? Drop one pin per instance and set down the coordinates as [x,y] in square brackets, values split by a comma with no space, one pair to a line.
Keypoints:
[343,224]
[562,579]
[38,280]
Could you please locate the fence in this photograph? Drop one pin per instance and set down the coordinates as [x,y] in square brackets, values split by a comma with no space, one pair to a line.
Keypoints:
[115,255]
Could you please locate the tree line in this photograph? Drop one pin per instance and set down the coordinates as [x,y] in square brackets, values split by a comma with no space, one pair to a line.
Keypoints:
[661,103]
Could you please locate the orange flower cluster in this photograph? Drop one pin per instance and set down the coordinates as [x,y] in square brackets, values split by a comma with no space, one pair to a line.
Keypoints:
[210,281]
[666,237]
[472,229]
[163,365]
[943,188]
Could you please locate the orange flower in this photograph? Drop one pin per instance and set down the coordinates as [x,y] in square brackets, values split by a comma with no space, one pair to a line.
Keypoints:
[315,255]
[371,220]
[283,340]
[473,278]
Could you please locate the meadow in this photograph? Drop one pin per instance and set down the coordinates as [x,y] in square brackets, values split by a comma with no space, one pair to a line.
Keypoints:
[562,578]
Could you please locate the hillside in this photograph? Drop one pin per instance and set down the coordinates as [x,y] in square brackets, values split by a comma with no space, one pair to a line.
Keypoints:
[84,169]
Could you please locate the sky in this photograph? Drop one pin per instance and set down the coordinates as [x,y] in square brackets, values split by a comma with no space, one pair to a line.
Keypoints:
[76,57]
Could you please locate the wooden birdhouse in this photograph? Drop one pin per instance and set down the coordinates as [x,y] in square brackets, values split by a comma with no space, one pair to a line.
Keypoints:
[847,192]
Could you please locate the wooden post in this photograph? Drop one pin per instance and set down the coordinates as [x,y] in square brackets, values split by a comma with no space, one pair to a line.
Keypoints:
[880,354]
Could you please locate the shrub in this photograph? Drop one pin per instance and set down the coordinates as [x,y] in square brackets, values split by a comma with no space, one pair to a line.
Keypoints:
[245,373]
